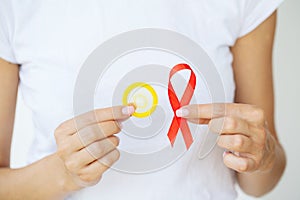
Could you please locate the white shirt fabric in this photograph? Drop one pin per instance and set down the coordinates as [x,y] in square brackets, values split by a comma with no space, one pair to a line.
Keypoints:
[50,39]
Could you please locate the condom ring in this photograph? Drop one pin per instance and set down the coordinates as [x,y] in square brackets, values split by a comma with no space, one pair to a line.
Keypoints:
[143,97]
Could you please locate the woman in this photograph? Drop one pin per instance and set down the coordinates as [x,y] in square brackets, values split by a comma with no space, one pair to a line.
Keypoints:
[43,43]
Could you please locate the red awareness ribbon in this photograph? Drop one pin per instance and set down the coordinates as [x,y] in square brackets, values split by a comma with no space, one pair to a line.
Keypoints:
[178,122]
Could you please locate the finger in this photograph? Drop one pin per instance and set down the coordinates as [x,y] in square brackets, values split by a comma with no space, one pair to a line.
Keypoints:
[229,125]
[198,121]
[238,163]
[216,110]
[99,149]
[93,172]
[91,134]
[96,132]
[109,159]
[71,126]
[202,111]
[237,143]
[91,153]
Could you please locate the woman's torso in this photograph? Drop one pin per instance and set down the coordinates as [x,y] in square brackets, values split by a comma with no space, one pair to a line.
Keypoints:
[53,39]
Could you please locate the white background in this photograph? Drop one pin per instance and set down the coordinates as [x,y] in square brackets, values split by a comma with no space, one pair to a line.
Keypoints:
[287,89]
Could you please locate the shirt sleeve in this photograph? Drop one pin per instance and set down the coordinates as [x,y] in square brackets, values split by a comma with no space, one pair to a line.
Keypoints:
[6,32]
[255,12]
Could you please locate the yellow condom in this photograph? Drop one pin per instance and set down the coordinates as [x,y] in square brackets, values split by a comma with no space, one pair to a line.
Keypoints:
[140,100]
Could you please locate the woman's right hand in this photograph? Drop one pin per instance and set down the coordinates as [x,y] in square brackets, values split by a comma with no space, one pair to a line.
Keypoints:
[86,145]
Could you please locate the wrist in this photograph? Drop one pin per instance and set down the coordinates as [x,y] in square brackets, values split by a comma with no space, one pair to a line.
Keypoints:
[64,179]
[274,155]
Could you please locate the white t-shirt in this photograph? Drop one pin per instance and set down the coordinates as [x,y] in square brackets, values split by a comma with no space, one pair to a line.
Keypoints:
[50,39]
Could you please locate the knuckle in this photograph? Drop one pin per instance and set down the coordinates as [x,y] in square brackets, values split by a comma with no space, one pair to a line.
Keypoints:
[89,178]
[258,113]
[112,158]
[219,109]
[244,166]
[59,129]
[99,130]
[239,108]
[238,142]
[96,149]
[260,147]
[115,141]
[95,132]
[263,134]
[230,123]
[108,161]
[97,179]
[259,158]
[221,142]
[116,127]
[65,126]
[71,165]
[58,132]
[216,125]
[101,113]
[113,126]
[56,135]
[117,156]
[63,146]
[263,138]
[92,131]
[89,133]
[257,162]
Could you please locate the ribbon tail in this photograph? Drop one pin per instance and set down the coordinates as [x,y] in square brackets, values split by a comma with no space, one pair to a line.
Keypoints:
[173,131]
[186,133]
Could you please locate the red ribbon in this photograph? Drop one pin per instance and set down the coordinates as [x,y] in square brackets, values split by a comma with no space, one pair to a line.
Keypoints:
[178,122]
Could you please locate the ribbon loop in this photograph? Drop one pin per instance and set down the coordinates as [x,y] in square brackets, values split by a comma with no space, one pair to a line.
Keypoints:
[178,122]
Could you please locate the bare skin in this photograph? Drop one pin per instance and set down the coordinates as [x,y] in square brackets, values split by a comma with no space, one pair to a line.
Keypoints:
[75,165]
[249,128]
[257,155]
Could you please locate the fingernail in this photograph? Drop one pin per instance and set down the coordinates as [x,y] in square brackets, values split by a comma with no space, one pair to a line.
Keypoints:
[225,153]
[182,112]
[128,110]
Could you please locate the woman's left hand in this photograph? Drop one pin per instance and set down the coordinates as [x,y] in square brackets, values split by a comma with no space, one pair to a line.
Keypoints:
[243,133]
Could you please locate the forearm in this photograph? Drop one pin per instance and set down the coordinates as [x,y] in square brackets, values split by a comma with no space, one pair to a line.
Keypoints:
[41,180]
[260,183]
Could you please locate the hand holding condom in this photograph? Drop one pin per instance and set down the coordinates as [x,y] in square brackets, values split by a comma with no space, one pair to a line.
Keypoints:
[88,147]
